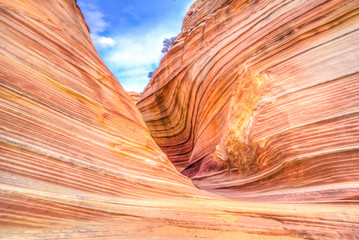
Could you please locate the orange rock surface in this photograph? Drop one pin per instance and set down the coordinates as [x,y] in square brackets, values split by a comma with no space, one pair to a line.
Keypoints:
[260,99]
[78,162]
[135,96]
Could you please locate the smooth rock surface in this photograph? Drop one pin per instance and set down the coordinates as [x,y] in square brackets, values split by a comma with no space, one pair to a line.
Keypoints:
[78,162]
[260,99]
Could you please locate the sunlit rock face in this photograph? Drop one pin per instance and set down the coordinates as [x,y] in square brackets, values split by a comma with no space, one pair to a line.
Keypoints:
[73,143]
[78,162]
[260,99]
[135,96]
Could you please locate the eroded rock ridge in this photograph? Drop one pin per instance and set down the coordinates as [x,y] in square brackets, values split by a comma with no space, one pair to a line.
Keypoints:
[259,99]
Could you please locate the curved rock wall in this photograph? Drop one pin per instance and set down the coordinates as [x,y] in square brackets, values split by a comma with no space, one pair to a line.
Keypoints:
[260,99]
[77,161]
[71,139]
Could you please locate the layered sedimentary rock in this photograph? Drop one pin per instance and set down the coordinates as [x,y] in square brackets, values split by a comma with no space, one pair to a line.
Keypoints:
[135,96]
[259,99]
[73,144]
[78,162]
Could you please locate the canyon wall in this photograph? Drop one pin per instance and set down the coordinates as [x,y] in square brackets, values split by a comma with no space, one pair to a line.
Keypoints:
[259,99]
[135,96]
[71,139]
[78,162]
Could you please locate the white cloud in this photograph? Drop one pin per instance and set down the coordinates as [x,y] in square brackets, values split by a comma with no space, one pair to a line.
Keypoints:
[132,51]
[95,20]
[102,42]
[97,24]
[131,11]
[136,55]
[135,51]
[139,50]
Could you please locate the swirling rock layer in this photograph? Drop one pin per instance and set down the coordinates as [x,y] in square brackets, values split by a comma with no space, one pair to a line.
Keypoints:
[135,96]
[78,162]
[259,99]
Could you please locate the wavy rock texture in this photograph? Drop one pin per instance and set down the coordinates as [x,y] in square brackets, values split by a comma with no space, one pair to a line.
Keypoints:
[77,161]
[135,96]
[260,99]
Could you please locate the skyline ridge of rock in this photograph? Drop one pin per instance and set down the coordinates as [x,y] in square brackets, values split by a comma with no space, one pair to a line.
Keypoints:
[257,98]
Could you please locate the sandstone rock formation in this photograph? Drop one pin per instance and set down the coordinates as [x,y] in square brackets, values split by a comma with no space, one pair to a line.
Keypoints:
[78,162]
[259,99]
[135,96]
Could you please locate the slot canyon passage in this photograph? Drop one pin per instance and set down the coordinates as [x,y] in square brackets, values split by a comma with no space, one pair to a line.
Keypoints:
[256,104]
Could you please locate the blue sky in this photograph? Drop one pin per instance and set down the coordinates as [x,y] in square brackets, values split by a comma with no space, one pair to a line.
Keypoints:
[128,34]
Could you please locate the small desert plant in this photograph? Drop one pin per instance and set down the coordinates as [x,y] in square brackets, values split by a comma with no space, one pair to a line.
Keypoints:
[167,44]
